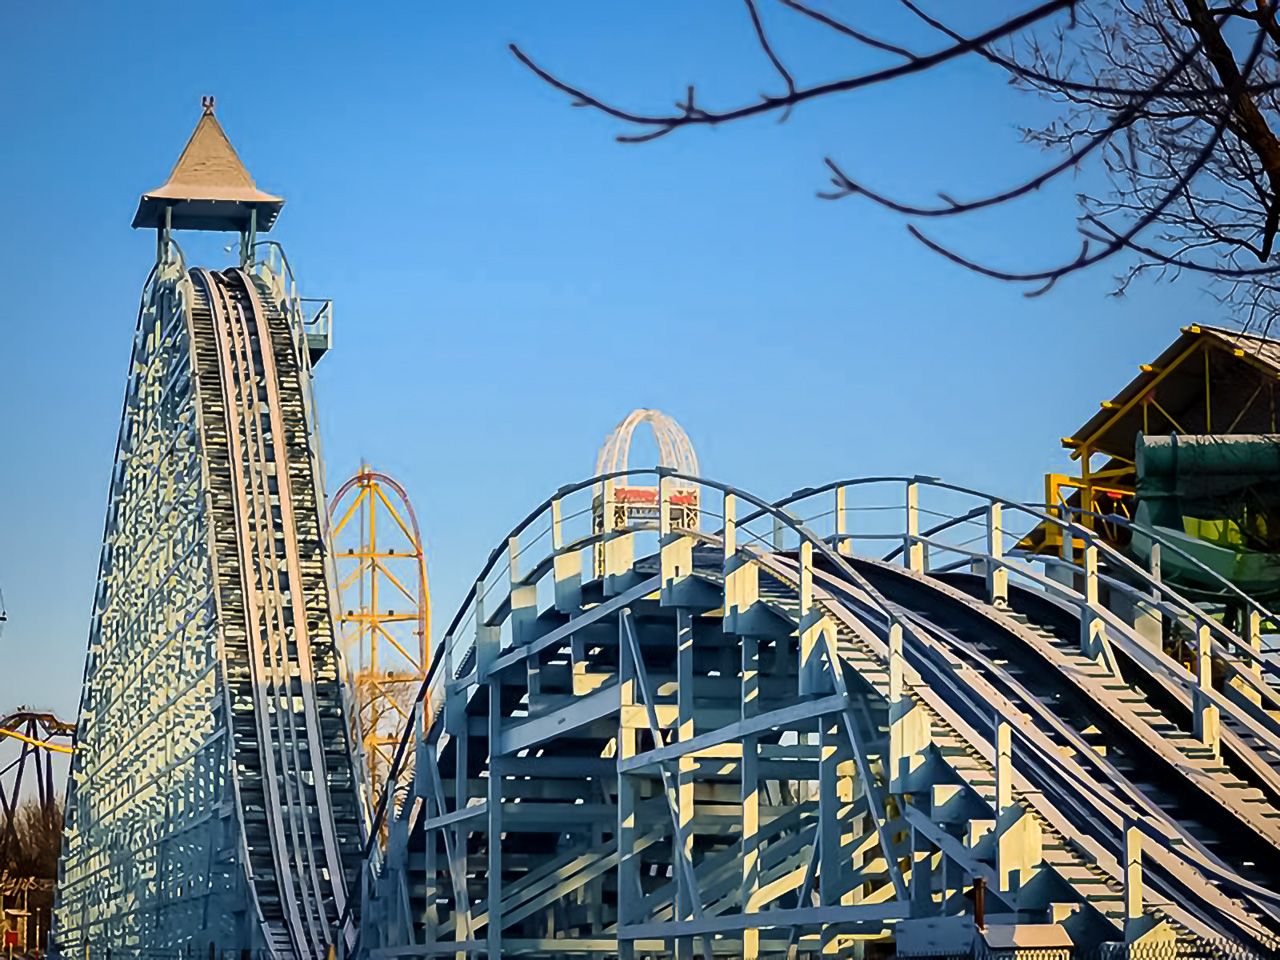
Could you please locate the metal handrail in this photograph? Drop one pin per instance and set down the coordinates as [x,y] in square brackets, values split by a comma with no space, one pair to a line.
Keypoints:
[284,258]
[322,318]
[1091,537]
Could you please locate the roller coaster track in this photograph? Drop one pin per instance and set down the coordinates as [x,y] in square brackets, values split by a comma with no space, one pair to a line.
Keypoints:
[1094,754]
[909,729]
[282,658]
[670,718]
[263,813]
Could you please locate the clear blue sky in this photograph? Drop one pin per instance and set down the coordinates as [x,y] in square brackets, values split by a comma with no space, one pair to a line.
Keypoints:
[509,282]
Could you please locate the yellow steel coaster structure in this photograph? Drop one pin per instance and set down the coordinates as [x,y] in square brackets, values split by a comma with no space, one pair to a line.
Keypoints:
[385,610]
[27,738]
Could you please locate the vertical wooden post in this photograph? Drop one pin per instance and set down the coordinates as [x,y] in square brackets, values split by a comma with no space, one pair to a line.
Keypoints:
[809,671]
[493,930]
[1207,721]
[1250,630]
[1133,893]
[909,729]
[1091,625]
[685,770]
[566,566]
[487,637]
[997,572]
[843,545]
[750,792]
[628,747]
[1019,844]
[914,548]
[523,597]
[741,578]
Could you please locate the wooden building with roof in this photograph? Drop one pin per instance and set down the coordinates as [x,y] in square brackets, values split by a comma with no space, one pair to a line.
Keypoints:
[1209,381]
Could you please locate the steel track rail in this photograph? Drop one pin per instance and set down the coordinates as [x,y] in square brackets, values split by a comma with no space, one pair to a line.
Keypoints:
[268,564]
[269,533]
[210,415]
[323,691]
[959,710]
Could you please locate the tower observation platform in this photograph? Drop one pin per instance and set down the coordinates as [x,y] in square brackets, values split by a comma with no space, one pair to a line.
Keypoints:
[669,717]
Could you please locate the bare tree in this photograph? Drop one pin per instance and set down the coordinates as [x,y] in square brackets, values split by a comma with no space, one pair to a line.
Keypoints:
[1174,99]
[36,842]
[29,866]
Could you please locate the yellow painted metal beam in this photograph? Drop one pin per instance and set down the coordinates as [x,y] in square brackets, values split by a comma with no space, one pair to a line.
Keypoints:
[42,744]
[1128,405]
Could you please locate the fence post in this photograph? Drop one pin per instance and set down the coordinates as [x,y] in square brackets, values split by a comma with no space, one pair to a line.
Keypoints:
[997,572]
[1091,625]
[523,597]
[810,667]
[618,549]
[914,548]
[843,547]
[486,637]
[1207,725]
[1132,877]
[1250,630]
[1149,623]
[566,567]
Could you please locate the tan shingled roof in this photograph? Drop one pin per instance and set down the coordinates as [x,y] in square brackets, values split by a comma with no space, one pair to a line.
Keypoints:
[209,188]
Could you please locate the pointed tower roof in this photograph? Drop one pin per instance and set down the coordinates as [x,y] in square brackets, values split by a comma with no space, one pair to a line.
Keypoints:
[209,188]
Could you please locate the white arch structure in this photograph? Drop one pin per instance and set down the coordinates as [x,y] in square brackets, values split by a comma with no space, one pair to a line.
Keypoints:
[674,449]
[618,505]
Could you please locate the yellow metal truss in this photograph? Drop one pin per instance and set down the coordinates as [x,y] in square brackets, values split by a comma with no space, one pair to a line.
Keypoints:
[385,610]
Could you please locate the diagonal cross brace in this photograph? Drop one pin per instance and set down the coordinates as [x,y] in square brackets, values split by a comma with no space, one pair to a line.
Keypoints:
[461,899]
[683,862]
[874,806]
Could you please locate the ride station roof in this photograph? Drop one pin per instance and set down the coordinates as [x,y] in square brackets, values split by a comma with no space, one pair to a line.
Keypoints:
[209,188]
[1207,381]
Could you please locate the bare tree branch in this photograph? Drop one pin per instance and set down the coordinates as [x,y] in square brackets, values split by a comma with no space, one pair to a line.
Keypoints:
[849,31]
[690,114]
[767,47]
[1178,130]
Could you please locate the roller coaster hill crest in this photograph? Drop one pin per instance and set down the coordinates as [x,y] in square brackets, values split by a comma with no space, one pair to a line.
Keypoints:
[671,718]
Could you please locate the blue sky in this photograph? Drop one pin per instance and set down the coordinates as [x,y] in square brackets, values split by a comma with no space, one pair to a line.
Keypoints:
[509,281]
